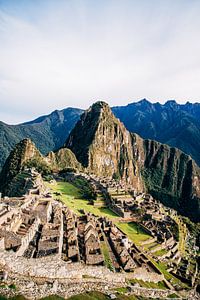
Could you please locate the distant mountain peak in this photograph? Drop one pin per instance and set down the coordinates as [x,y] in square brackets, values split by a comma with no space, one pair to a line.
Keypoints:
[171,102]
[144,101]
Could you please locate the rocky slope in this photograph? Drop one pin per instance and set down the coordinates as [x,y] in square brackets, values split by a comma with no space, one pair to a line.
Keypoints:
[103,145]
[25,154]
[62,159]
[169,175]
[24,151]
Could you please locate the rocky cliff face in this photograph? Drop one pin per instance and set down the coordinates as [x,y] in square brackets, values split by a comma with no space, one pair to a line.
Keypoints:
[25,154]
[62,159]
[169,175]
[103,145]
[24,151]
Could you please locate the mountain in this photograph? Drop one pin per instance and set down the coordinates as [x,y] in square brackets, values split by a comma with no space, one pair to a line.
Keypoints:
[23,151]
[26,155]
[47,132]
[171,123]
[102,144]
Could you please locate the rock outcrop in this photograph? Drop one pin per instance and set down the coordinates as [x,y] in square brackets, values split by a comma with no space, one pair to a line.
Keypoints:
[62,159]
[25,154]
[169,175]
[24,151]
[103,145]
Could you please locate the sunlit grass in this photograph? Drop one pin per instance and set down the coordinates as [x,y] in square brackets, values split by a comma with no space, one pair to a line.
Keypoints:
[133,231]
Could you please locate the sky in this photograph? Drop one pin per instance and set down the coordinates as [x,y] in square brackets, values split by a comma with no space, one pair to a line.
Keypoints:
[61,53]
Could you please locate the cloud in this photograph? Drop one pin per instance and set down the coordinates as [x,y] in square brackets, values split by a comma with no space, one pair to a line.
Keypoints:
[55,54]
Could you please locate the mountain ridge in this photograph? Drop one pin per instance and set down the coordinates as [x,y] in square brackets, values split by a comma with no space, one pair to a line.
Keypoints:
[104,147]
[177,125]
[112,151]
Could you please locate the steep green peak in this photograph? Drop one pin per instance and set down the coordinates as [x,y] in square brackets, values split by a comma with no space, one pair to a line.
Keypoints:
[96,110]
[24,151]
[99,106]
[98,115]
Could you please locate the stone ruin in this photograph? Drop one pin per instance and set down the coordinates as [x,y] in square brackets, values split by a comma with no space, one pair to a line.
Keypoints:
[40,227]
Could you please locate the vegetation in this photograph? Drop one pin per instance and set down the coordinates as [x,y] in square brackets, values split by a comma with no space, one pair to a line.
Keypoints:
[100,296]
[85,188]
[105,251]
[47,132]
[72,196]
[133,231]
[39,165]
[74,199]
[150,285]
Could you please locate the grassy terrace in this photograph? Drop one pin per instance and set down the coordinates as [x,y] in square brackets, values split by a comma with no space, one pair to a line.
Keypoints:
[133,231]
[73,198]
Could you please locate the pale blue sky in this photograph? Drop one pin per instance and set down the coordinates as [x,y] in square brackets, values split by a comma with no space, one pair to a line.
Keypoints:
[55,54]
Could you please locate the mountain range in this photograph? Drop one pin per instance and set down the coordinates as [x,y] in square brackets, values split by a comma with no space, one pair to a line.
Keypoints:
[177,125]
[100,144]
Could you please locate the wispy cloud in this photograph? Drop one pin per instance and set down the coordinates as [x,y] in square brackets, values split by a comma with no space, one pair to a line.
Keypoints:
[55,54]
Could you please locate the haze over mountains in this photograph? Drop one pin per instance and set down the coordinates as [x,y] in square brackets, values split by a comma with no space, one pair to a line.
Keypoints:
[173,124]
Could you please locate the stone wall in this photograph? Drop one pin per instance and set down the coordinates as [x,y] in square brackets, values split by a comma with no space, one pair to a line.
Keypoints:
[55,268]
[2,243]
[61,235]
[29,236]
[143,274]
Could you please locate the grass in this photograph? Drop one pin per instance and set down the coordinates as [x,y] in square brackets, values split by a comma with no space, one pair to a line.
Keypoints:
[160,252]
[182,234]
[105,251]
[150,245]
[134,232]
[150,285]
[73,198]
[172,279]
[172,296]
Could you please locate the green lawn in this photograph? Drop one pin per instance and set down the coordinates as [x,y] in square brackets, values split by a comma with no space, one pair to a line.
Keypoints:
[73,198]
[151,285]
[160,252]
[134,232]
[107,259]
